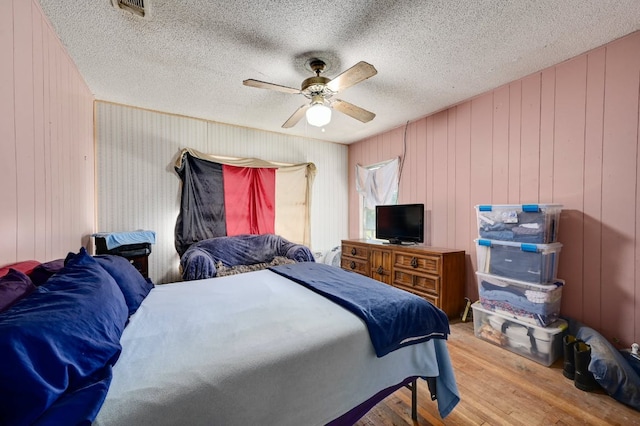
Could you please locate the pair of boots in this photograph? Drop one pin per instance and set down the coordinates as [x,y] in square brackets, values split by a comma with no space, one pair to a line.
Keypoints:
[577,355]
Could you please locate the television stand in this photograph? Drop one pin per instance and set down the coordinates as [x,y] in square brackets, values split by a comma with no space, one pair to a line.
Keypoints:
[436,274]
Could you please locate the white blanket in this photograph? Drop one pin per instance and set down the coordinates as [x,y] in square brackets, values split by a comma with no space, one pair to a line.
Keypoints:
[251,349]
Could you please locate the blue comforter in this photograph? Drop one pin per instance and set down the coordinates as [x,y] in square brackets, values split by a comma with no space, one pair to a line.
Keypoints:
[394,317]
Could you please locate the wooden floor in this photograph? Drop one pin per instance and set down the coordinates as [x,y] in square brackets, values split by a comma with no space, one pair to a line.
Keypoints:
[498,387]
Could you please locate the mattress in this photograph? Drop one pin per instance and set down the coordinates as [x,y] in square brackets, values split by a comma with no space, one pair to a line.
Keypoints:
[255,348]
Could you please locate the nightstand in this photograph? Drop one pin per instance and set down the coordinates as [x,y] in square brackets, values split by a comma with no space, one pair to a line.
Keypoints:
[134,246]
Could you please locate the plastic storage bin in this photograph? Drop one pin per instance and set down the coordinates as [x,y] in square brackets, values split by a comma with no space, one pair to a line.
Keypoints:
[540,344]
[533,263]
[537,304]
[524,223]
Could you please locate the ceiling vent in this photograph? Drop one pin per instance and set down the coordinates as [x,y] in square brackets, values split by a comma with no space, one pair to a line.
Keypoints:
[133,6]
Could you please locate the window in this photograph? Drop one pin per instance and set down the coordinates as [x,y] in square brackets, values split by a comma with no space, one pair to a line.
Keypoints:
[377,184]
[369,218]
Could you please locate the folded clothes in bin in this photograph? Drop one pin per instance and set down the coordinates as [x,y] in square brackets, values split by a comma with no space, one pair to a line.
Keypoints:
[535,263]
[517,264]
[525,223]
[538,304]
[540,344]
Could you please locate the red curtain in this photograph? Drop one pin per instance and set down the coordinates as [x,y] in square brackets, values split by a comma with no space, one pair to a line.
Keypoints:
[249,199]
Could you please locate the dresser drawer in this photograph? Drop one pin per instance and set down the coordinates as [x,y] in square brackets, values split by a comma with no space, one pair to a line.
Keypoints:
[355,265]
[420,282]
[435,300]
[355,251]
[423,263]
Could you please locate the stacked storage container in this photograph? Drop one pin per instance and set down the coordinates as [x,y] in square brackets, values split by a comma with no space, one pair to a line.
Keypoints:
[520,295]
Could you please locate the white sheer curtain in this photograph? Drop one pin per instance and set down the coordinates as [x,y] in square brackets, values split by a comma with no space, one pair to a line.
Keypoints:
[378,183]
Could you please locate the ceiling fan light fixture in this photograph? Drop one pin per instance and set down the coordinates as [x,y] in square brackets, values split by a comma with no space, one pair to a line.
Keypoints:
[320,89]
[318,115]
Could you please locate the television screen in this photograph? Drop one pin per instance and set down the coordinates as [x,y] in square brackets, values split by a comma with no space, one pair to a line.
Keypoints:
[400,223]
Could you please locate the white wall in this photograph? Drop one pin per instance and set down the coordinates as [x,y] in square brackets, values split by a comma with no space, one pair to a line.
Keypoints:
[138,188]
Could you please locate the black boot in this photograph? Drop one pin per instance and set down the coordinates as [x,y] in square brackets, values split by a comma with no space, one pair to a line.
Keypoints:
[584,379]
[568,343]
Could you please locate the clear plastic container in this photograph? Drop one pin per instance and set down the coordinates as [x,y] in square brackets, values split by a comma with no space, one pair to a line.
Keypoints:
[533,263]
[537,304]
[524,223]
[540,344]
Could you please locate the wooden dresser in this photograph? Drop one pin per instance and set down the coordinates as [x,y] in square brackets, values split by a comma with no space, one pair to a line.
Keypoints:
[437,274]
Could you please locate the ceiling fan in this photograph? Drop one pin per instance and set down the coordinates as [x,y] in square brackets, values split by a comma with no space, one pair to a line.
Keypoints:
[320,90]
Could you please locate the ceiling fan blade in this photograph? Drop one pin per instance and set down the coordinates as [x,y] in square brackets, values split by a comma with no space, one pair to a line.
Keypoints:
[296,116]
[353,111]
[357,73]
[263,85]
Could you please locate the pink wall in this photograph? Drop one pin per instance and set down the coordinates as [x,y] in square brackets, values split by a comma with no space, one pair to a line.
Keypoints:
[568,135]
[46,141]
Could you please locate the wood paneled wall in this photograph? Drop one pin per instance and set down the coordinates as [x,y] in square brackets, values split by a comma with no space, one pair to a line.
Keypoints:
[567,134]
[139,189]
[46,141]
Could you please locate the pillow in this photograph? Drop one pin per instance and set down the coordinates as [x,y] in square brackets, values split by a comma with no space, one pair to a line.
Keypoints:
[44,271]
[59,344]
[25,267]
[132,284]
[610,369]
[13,287]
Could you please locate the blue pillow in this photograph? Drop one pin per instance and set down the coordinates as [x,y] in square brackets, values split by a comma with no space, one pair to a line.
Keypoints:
[44,271]
[13,287]
[610,369]
[133,285]
[60,343]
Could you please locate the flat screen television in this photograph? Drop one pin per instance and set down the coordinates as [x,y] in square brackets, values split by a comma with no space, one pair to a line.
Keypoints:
[400,223]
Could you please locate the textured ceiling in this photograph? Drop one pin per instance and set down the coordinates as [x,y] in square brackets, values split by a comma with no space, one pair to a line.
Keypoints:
[190,57]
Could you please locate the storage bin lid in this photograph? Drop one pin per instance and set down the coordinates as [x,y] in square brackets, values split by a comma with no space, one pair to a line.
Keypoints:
[533,248]
[524,207]
[557,282]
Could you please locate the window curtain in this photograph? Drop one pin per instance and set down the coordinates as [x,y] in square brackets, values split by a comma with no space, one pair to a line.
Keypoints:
[378,183]
[230,196]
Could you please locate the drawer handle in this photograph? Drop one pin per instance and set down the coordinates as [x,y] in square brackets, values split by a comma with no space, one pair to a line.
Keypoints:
[414,262]
[352,265]
[380,270]
[353,251]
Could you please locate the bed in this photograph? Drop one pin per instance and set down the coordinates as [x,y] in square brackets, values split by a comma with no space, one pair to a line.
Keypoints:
[254,348]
